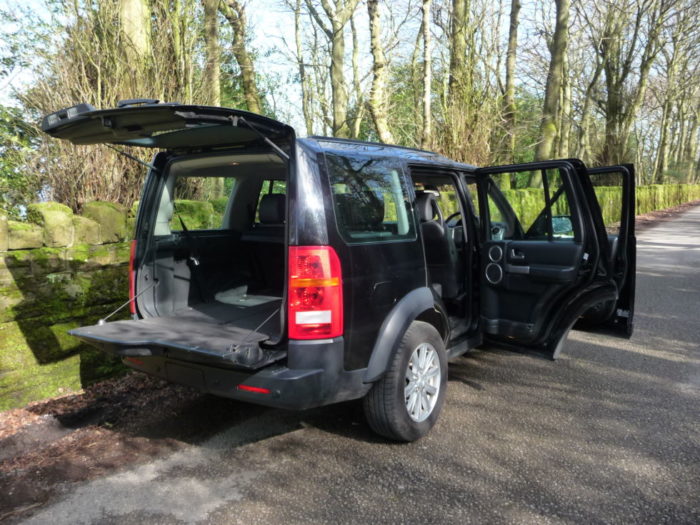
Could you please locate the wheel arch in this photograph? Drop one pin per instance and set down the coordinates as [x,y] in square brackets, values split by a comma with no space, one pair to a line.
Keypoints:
[417,305]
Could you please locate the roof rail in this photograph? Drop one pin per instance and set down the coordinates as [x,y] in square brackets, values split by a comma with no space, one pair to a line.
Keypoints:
[369,143]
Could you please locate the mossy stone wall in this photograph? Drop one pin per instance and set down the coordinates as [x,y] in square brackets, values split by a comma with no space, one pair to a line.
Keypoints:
[58,271]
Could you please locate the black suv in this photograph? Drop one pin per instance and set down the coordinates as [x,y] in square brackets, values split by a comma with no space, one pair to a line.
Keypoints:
[326,270]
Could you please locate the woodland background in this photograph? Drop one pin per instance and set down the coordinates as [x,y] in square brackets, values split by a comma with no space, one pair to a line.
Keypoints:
[482,81]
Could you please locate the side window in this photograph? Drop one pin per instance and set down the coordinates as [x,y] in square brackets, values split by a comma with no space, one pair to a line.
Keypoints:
[198,202]
[370,199]
[473,193]
[608,189]
[539,211]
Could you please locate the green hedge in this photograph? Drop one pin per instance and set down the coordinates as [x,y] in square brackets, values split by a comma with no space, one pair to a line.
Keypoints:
[527,203]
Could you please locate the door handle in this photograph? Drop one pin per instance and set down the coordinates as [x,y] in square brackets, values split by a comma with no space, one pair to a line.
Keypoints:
[516,255]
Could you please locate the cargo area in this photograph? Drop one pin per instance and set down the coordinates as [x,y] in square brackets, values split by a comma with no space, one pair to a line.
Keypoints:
[210,272]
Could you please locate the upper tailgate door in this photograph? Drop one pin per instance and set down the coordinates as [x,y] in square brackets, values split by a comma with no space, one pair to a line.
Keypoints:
[163,126]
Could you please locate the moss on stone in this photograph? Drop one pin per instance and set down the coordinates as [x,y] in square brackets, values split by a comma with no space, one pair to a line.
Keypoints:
[4,235]
[48,260]
[55,219]
[110,216]
[22,235]
[40,359]
[133,211]
[101,255]
[17,259]
[197,215]
[86,230]
[122,252]
[78,253]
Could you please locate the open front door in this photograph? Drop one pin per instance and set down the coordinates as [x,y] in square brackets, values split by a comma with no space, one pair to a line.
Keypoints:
[615,194]
[540,253]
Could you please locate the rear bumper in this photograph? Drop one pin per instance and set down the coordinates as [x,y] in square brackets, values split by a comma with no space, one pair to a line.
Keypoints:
[313,376]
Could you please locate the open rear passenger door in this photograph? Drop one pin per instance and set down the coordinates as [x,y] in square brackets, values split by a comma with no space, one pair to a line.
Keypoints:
[614,188]
[542,253]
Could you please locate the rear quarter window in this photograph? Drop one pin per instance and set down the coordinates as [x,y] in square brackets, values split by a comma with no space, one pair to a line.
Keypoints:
[370,199]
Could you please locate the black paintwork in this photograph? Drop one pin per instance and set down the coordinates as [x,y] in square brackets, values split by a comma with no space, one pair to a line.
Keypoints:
[385,284]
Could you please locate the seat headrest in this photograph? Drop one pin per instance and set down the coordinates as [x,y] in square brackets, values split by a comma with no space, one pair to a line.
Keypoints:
[426,205]
[360,211]
[272,208]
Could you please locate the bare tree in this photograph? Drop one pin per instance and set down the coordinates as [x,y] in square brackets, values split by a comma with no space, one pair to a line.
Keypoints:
[377,97]
[234,11]
[553,89]
[212,67]
[427,136]
[509,98]
[135,22]
[333,26]
[628,48]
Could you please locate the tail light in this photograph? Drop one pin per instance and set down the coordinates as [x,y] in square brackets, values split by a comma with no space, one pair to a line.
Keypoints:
[315,293]
[132,279]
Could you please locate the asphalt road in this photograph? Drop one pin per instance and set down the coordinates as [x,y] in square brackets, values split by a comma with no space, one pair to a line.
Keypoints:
[610,433]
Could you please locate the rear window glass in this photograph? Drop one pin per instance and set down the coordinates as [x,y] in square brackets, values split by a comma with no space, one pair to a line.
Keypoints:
[370,199]
[199,202]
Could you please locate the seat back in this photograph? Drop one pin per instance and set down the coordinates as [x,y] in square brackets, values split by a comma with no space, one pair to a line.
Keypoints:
[440,251]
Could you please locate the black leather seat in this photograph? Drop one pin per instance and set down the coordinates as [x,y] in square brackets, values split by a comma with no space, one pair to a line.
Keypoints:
[265,245]
[360,213]
[440,252]
[271,225]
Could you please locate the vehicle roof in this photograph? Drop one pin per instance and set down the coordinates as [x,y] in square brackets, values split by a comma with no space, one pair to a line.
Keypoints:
[411,155]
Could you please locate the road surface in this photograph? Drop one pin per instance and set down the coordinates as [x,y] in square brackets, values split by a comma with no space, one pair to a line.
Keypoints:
[610,433]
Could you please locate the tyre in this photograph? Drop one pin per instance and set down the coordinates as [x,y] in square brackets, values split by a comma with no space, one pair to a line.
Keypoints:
[406,402]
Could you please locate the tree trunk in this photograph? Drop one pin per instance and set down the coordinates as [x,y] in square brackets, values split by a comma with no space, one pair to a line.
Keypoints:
[509,108]
[621,35]
[427,136]
[458,48]
[552,96]
[306,108]
[564,112]
[359,98]
[338,14]
[416,86]
[135,18]
[584,139]
[692,151]
[339,90]
[377,96]
[212,67]
[234,12]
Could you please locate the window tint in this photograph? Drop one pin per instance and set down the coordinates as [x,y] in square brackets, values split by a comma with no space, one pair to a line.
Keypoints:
[370,199]
[200,202]
[539,211]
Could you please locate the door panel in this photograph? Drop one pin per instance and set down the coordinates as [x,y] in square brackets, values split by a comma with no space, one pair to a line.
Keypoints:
[614,189]
[537,249]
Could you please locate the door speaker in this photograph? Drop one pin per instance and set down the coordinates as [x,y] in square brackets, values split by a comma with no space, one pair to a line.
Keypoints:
[495,253]
[494,273]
